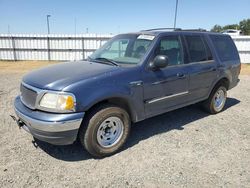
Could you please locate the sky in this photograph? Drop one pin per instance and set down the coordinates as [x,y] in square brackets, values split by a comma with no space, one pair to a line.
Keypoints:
[116,16]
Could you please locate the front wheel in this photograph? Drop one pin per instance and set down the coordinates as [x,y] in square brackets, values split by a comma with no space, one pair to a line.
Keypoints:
[105,130]
[217,100]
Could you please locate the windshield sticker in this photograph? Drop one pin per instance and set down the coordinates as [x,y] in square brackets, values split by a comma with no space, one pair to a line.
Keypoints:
[146,37]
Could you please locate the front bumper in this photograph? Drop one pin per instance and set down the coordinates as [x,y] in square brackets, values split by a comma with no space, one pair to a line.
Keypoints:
[58,129]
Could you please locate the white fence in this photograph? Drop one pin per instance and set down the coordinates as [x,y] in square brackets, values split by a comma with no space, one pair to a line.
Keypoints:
[243,46]
[49,47]
[73,47]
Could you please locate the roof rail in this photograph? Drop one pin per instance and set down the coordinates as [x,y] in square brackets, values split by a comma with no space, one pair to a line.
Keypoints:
[199,29]
[175,29]
[159,29]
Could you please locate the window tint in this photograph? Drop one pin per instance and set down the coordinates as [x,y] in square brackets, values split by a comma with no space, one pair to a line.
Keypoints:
[196,48]
[225,47]
[171,47]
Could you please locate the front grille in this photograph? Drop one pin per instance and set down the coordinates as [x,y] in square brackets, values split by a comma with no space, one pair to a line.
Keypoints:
[28,97]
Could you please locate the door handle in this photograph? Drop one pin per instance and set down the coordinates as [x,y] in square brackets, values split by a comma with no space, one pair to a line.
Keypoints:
[181,75]
[212,69]
[136,83]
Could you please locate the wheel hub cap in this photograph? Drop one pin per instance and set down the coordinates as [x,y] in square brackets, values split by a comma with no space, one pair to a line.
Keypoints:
[110,132]
[219,99]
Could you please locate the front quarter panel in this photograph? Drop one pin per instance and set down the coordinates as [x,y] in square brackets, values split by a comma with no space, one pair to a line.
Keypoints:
[111,85]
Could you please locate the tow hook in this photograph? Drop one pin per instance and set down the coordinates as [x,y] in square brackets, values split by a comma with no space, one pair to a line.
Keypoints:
[34,144]
[18,121]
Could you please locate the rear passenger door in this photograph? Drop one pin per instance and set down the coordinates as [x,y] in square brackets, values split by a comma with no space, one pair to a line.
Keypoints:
[201,66]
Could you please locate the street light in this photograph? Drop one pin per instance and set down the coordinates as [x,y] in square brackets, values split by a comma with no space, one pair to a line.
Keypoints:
[48,23]
[176,7]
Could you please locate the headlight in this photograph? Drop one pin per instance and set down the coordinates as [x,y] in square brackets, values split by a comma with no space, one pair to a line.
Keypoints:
[60,102]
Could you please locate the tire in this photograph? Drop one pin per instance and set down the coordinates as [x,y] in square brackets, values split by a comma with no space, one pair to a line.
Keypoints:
[217,99]
[104,131]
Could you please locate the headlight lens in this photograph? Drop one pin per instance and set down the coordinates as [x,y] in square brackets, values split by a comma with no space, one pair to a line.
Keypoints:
[58,102]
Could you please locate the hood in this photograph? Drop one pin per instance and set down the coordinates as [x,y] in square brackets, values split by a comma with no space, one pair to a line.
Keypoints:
[56,77]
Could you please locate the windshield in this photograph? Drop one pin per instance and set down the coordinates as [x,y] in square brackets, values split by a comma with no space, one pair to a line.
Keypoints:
[126,49]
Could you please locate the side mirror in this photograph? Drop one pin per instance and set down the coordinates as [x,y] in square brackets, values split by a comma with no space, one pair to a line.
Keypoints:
[159,62]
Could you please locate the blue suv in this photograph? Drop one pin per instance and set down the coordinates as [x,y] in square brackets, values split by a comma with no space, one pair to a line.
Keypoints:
[132,77]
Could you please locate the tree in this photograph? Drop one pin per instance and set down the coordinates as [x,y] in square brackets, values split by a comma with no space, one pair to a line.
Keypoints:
[231,26]
[217,28]
[245,26]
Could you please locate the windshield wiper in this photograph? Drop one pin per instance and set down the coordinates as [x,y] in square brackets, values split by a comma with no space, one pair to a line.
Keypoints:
[104,60]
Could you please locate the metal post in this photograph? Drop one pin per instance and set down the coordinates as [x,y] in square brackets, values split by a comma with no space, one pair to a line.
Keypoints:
[13,48]
[48,42]
[176,7]
[48,23]
[83,49]
[75,42]
[48,46]
[9,29]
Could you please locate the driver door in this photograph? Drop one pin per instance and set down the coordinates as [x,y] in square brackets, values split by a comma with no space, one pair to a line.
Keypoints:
[166,88]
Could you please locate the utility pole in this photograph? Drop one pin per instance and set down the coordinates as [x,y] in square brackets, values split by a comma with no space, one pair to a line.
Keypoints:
[75,41]
[48,23]
[75,25]
[48,43]
[118,29]
[176,7]
[8,29]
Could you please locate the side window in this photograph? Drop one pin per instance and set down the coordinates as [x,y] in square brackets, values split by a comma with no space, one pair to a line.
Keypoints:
[116,49]
[197,50]
[209,54]
[171,47]
[225,47]
[140,47]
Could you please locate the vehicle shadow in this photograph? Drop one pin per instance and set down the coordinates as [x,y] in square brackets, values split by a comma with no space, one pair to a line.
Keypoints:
[139,131]
[176,119]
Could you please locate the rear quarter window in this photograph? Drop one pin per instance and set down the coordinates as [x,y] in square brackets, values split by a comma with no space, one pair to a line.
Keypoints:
[225,47]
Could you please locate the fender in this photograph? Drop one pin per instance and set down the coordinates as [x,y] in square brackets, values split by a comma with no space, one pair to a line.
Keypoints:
[223,74]
[90,94]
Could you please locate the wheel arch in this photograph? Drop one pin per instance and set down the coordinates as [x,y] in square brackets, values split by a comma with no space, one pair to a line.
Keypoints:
[118,101]
[223,81]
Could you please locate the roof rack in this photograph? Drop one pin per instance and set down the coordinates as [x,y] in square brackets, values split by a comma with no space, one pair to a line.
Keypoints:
[175,29]
[163,28]
[199,29]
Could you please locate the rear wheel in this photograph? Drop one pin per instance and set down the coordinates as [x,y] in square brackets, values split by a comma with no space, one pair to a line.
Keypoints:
[217,99]
[105,130]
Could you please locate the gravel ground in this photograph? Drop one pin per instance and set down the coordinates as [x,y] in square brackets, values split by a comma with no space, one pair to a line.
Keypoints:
[183,148]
